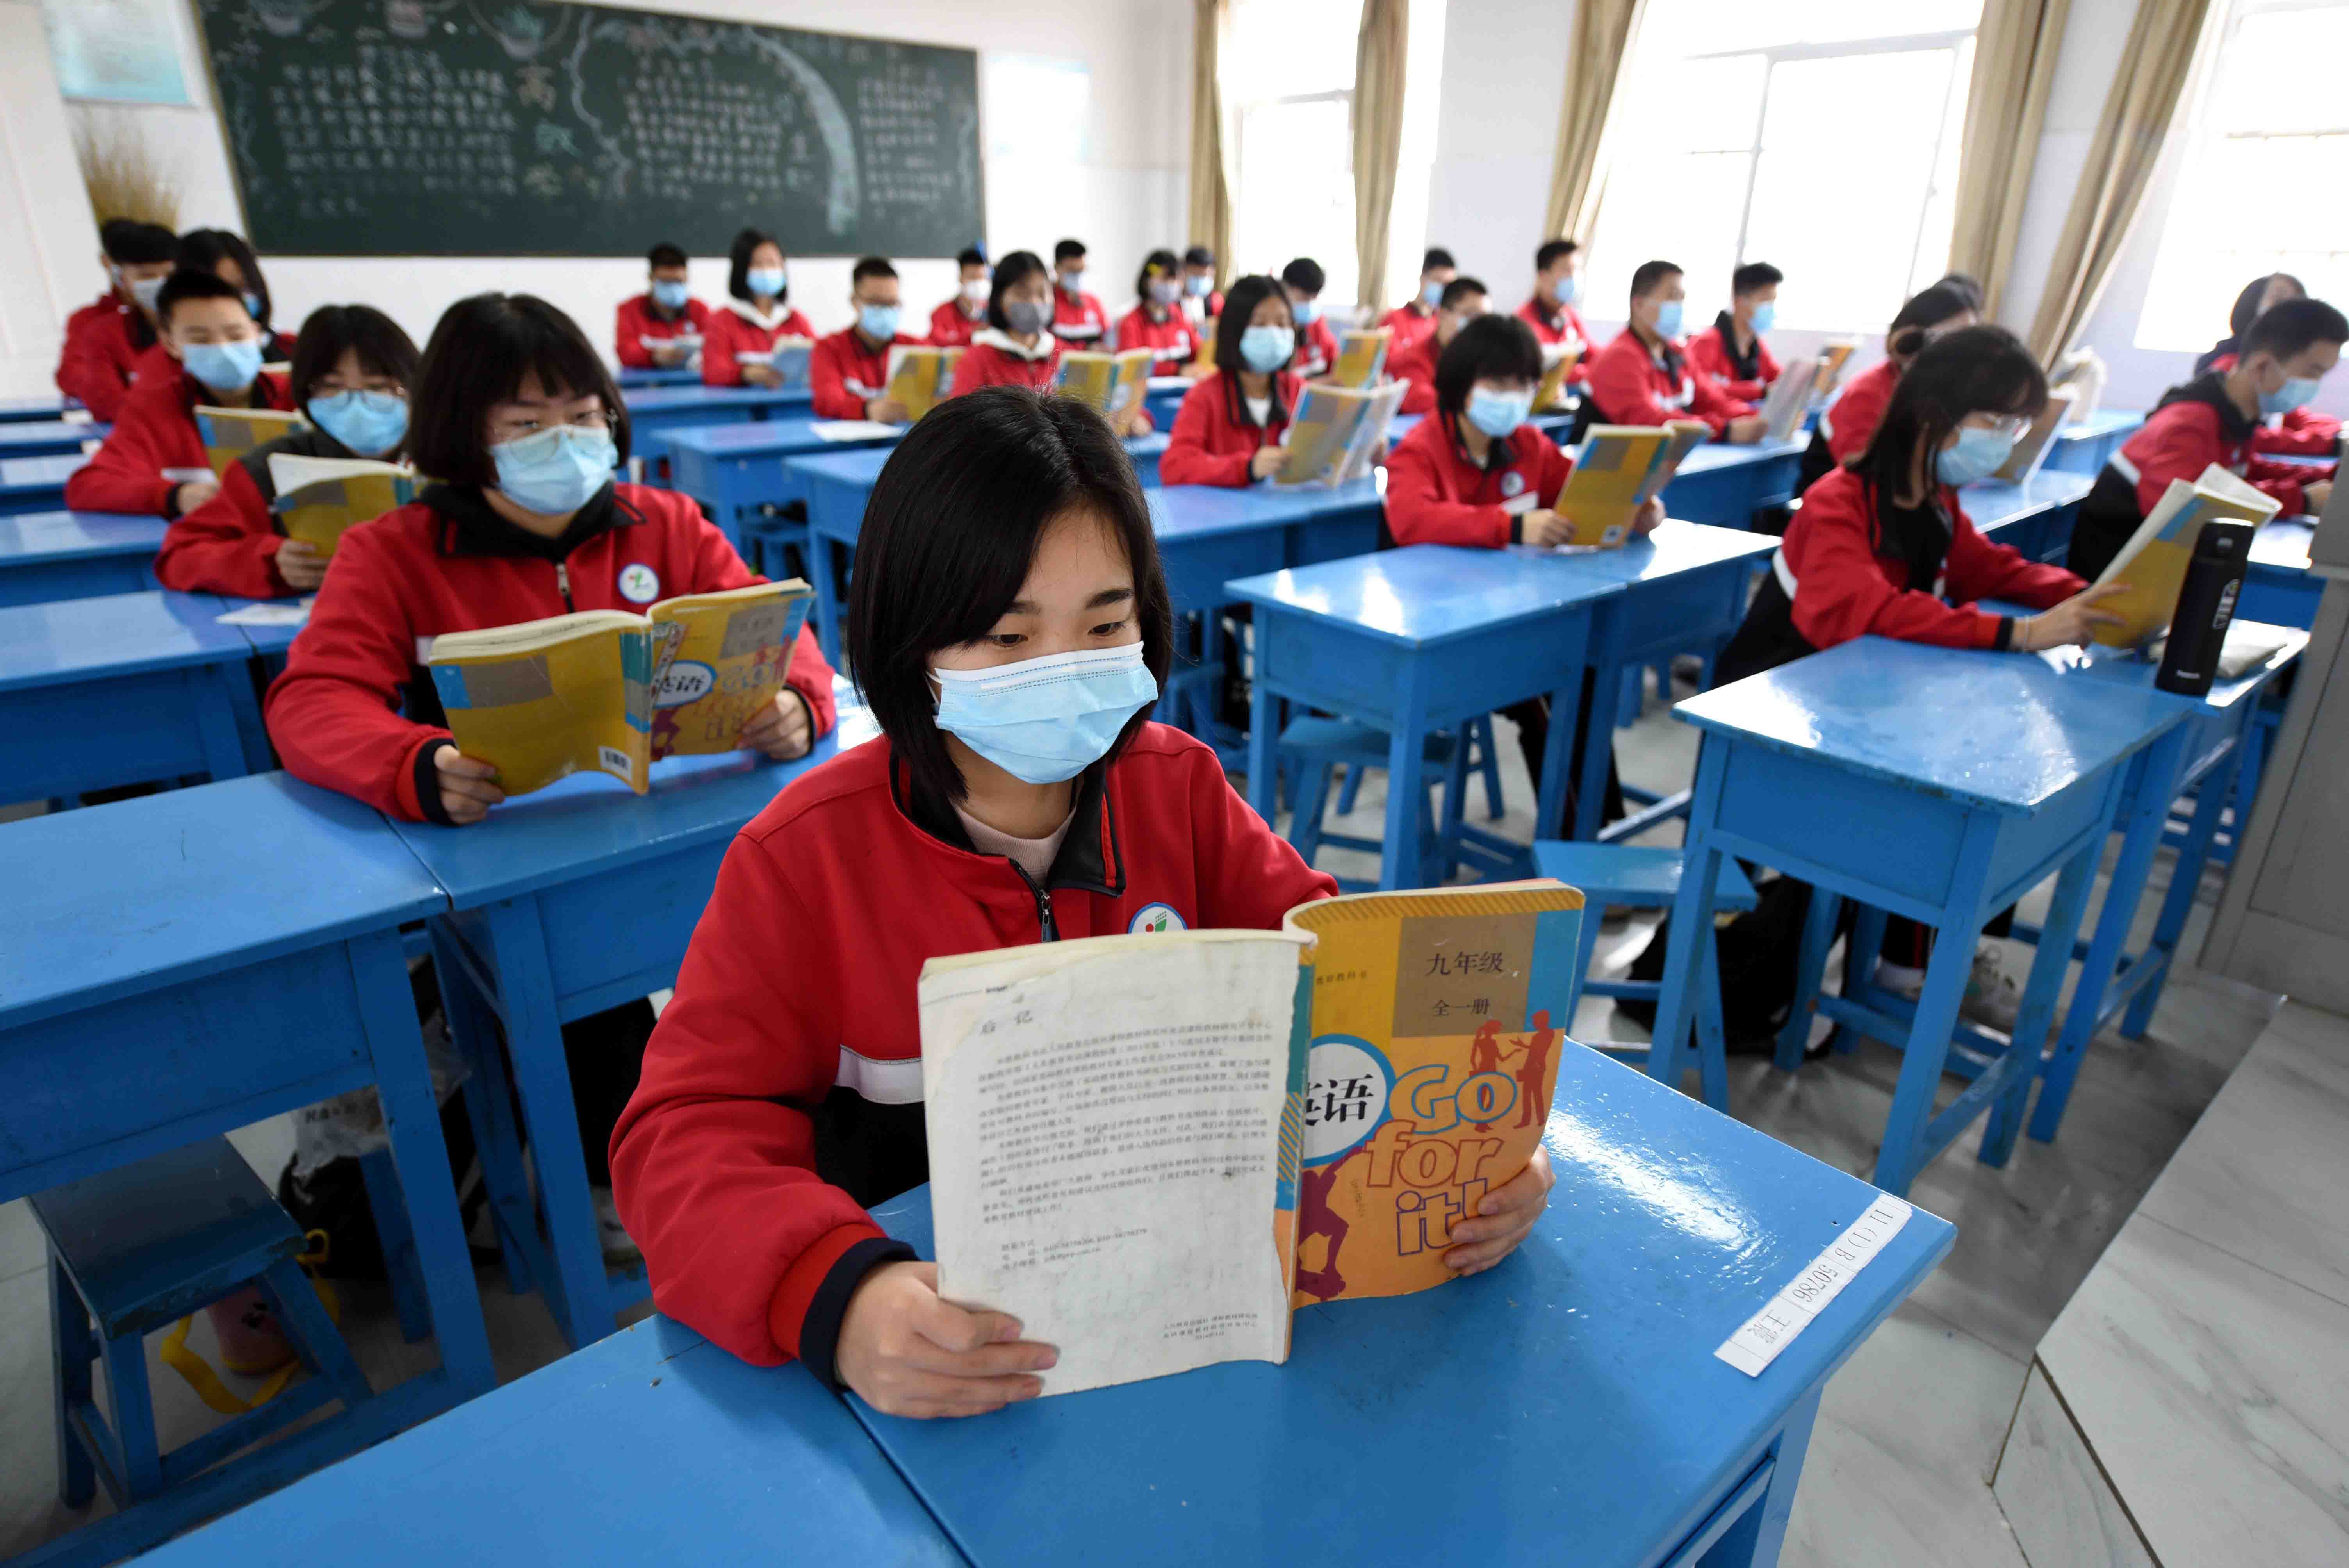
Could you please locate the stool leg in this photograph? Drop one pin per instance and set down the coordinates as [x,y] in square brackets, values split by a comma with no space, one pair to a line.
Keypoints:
[1634,698]
[488,1105]
[1433,868]
[1860,953]
[133,1410]
[1819,935]
[1351,788]
[1305,824]
[390,1207]
[70,1349]
[1711,1040]
[304,1318]
[2184,878]
[1489,763]
[1456,804]
[1586,945]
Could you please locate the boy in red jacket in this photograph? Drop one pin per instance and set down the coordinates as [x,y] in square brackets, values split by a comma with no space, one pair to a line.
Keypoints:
[662,327]
[849,371]
[1464,300]
[1415,317]
[1731,352]
[954,322]
[1557,287]
[1011,627]
[104,340]
[1157,320]
[154,463]
[1317,345]
[1644,377]
[1078,319]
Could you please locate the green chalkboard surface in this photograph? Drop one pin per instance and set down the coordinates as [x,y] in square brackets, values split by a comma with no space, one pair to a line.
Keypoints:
[469,128]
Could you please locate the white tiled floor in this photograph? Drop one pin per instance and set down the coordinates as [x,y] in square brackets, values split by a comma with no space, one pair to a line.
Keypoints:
[1910,1430]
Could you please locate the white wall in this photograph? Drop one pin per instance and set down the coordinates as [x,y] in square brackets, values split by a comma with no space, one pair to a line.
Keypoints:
[1497,126]
[1124,198]
[48,241]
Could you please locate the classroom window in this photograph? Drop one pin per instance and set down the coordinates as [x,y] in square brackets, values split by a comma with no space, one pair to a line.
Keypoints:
[1288,78]
[2266,158]
[1808,136]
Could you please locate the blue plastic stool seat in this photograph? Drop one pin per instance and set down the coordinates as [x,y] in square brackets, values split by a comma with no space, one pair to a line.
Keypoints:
[1317,746]
[139,1248]
[1642,876]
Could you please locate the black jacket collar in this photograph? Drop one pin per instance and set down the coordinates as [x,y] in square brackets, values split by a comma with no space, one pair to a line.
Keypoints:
[1747,365]
[1498,455]
[1235,401]
[469,527]
[2211,389]
[1090,859]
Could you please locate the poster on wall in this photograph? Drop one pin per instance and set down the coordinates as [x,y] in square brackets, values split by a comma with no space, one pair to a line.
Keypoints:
[120,51]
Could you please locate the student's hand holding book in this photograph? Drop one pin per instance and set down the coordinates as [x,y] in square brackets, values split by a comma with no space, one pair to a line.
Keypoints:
[2074,621]
[907,1352]
[761,375]
[887,411]
[190,494]
[300,564]
[1650,517]
[1746,430]
[2319,496]
[782,729]
[1504,1218]
[468,786]
[1266,461]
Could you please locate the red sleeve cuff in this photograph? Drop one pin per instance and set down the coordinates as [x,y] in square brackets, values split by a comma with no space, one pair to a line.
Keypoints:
[787,1309]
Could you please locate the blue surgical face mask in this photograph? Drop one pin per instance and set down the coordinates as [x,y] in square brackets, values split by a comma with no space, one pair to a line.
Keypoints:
[1498,413]
[2295,393]
[765,283]
[1165,291]
[1309,311]
[1072,284]
[1568,289]
[1979,454]
[670,296]
[1668,321]
[555,471]
[1265,349]
[1047,720]
[1197,284]
[223,366]
[1430,294]
[878,321]
[1765,316]
[144,291]
[368,423]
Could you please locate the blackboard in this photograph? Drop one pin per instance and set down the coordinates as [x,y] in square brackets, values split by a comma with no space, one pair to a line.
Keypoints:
[499,128]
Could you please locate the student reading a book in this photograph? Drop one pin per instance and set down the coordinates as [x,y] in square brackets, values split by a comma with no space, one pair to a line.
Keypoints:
[663,327]
[956,320]
[849,372]
[1644,377]
[1011,627]
[1158,320]
[1848,422]
[1201,302]
[353,367]
[1317,345]
[1732,352]
[2295,432]
[154,463]
[103,339]
[1461,301]
[224,254]
[1233,421]
[1078,319]
[2212,419]
[1016,348]
[757,316]
[1550,309]
[1415,317]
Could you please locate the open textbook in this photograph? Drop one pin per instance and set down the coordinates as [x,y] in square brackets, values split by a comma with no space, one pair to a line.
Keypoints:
[689,341]
[1109,383]
[1149,1148]
[1362,356]
[321,498]
[1789,398]
[1617,470]
[1833,359]
[920,376]
[1558,360]
[1336,432]
[2031,448]
[787,357]
[228,434]
[606,691]
[2153,560]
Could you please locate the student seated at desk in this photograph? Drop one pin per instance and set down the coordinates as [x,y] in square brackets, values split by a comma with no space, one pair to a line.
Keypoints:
[1549,310]
[1233,420]
[1464,300]
[758,315]
[1415,317]
[1158,320]
[1732,352]
[1848,422]
[104,340]
[954,322]
[2300,432]
[223,253]
[1201,302]
[661,327]
[1317,345]
[848,374]
[1644,377]
[2212,419]
[1010,627]
[1078,319]
[352,370]
[154,464]
[1016,348]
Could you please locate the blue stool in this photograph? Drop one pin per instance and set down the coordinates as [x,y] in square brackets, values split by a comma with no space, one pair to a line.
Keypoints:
[1313,749]
[1645,877]
[137,1249]
[1483,761]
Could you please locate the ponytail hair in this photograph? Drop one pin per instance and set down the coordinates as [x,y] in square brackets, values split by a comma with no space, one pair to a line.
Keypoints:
[1912,329]
[1974,371]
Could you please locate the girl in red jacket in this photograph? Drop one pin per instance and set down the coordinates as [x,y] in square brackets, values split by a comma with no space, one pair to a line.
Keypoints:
[1018,347]
[1231,426]
[1157,320]
[757,316]
[1847,425]
[352,370]
[1010,627]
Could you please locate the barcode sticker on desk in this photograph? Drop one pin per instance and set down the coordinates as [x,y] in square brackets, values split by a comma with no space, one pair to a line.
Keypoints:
[1758,1341]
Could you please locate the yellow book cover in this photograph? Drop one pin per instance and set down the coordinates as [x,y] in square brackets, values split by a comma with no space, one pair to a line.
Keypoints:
[1832,360]
[1335,433]
[321,498]
[1559,365]
[2153,560]
[606,691]
[1362,356]
[229,434]
[1204,360]
[919,377]
[1110,383]
[2031,448]
[1616,470]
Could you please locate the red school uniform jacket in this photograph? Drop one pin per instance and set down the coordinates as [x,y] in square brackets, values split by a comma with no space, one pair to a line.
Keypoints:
[1214,435]
[1713,352]
[995,360]
[155,429]
[714,1162]
[1634,386]
[2295,432]
[1080,323]
[103,342]
[1436,494]
[229,544]
[950,328]
[843,374]
[1557,324]
[1175,337]
[730,332]
[1317,350]
[1410,320]
[446,562]
[1416,362]
[1849,422]
[636,322]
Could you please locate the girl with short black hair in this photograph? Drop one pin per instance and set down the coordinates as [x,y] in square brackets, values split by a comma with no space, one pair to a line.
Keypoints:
[1232,424]
[756,316]
[1016,348]
[1158,320]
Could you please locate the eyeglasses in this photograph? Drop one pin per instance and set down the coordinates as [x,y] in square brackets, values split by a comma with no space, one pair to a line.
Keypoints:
[516,425]
[2012,427]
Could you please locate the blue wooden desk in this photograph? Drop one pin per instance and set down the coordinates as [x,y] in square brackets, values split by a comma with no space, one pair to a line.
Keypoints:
[1941,784]
[46,405]
[593,1459]
[1164,399]
[121,688]
[47,555]
[48,438]
[2278,588]
[2034,517]
[36,484]
[2085,445]
[561,905]
[1726,485]
[1566,1408]
[1416,640]
[198,960]
[1553,425]
[652,410]
[633,377]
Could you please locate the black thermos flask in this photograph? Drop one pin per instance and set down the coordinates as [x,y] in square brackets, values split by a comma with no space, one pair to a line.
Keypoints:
[2205,604]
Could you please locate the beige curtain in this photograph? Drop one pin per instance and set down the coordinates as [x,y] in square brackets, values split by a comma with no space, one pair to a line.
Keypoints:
[1379,50]
[1604,33]
[1211,180]
[2014,65]
[2155,63]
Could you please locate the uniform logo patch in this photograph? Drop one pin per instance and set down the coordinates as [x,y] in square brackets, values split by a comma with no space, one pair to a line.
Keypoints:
[1157,917]
[1512,483]
[639,583]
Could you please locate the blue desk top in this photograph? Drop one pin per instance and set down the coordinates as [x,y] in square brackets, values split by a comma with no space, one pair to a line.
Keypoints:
[2102,423]
[786,436]
[48,435]
[1565,1408]
[652,1446]
[113,633]
[1673,547]
[659,375]
[1990,504]
[2002,731]
[35,537]
[157,889]
[2282,543]
[2127,668]
[48,406]
[263,640]
[22,474]
[1721,455]
[1428,594]
[672,400]
[862,465]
